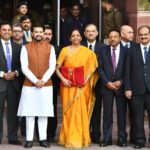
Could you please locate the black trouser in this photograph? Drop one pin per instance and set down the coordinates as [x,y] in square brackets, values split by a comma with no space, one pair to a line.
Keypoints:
[108,116]
[52,121]
[130,112]
[139,103]
[11,95]
[95,124]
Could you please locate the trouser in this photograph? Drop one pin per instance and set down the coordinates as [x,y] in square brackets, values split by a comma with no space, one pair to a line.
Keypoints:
[42,128]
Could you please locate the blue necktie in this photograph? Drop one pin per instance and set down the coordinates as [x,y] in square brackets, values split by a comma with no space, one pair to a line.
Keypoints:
[145,53]
[8,57]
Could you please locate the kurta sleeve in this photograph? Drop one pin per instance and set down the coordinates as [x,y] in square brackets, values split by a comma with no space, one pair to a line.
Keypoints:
[24,66]
[52,66]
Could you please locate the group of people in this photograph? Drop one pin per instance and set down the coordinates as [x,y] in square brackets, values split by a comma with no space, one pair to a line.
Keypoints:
[89,74]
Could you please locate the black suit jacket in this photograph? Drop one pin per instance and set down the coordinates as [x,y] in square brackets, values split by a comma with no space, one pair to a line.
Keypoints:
[106,69]
[16,48]
[97,48]
[137,76]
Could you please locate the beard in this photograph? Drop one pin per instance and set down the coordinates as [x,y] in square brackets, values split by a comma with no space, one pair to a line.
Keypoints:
[38,38]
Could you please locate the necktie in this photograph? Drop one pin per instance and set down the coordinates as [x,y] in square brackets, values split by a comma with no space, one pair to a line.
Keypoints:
[27,33]
[145,53]
[113,57]
[127,45]
[90,46]
[8,57]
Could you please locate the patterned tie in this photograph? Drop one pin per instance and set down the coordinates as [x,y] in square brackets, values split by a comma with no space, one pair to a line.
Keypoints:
[113,58]
[8,57]
[145,53]
[90,46]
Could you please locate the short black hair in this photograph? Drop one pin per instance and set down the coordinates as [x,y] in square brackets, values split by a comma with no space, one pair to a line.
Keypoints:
[144,26]
[76,4]
[108,1]
[46,26]
[113,30]
[25,18]
[5,23]
[37,25]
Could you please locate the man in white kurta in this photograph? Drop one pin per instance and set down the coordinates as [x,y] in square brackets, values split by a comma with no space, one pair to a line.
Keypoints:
[38,62]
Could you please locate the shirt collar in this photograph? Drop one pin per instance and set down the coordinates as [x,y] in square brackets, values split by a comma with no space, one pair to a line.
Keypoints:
[124,43]
[142,46]
[3,41]
[93,44]
[117,48]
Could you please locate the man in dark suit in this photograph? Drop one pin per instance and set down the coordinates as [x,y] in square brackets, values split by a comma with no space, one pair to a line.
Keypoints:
[52,121]
[9,82]
[111,71]
[137,82]
[127,36]
[90,34]
[75,20]
[26,24]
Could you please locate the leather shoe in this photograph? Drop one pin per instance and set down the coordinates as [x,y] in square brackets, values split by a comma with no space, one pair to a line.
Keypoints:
[95,141]
[15,142]
[28,144]
[105,143]
[44,143]
[51,140]
[122,144]
[138,146]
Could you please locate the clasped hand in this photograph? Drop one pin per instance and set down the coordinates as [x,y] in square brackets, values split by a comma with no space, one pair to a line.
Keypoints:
[113,85]
[39,84]
[9,75]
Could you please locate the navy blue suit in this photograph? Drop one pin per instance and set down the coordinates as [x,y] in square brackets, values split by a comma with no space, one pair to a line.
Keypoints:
[137,79]
[107,75]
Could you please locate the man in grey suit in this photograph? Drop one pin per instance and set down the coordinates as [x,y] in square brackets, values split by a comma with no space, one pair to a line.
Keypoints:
[9,82]
[137,82]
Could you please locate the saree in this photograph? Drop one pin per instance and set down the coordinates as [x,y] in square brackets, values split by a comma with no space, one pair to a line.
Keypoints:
[77,102]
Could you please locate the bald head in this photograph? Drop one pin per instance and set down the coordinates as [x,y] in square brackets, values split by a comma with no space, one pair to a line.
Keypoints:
[127,34]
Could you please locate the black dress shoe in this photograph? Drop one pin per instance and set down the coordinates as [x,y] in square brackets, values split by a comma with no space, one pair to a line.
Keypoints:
[105,143]
[15,142]
[122,144]
[44,143]
[28,144]
[51,140]
[138,146]
[95,141]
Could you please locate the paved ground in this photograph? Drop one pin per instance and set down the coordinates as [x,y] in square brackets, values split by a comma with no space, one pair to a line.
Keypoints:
[5,146]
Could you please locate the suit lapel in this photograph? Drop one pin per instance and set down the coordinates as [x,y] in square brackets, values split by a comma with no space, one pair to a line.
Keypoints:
[109,56]
[148,56]
[13,54]
[139,54]
[2,51]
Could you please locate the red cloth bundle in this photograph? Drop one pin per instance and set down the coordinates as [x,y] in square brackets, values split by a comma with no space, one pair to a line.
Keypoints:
[75,75]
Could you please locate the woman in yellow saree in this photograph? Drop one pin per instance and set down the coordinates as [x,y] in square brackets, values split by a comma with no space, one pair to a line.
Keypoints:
[77,101]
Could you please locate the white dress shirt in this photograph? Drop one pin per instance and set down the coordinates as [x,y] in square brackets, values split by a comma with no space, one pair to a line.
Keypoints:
[93,44]
[125,43]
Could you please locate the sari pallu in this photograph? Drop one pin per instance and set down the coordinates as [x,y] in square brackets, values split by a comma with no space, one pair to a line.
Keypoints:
[77,103]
